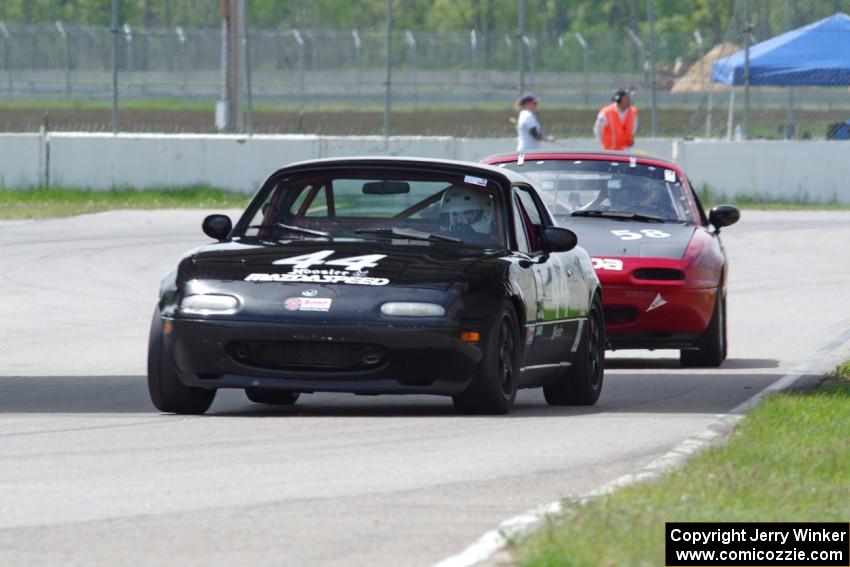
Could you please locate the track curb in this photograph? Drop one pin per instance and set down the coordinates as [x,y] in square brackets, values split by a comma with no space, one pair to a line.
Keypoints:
[718,430]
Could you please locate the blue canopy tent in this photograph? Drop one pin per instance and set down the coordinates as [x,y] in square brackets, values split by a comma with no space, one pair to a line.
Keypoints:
[814,55]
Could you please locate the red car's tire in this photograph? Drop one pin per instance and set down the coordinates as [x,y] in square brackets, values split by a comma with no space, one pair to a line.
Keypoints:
[712,346]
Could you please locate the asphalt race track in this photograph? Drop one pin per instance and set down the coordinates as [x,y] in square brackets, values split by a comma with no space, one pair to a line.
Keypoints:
[91,474]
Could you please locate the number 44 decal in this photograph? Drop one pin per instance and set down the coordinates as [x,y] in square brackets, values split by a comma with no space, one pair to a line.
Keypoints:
[351,264]
[649,233]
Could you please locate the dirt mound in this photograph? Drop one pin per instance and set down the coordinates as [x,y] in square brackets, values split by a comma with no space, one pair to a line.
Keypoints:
[698,77]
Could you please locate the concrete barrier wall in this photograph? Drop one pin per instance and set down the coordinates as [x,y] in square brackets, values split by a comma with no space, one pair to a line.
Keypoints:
[21,160]
[804,171]
[811,171]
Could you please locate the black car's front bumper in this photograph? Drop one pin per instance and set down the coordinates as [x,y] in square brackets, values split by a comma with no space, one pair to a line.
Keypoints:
[363,359]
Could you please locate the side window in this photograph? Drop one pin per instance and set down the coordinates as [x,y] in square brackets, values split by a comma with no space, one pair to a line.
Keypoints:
[532,217]
[318,207]
[519,217]
[700,209]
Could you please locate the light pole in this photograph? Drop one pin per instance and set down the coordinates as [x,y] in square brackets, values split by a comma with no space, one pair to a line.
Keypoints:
[521,46]
[389,62]
[650,10]
[114,66]
[746,69]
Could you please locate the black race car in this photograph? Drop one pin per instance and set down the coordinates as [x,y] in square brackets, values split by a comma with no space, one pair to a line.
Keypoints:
[382,275]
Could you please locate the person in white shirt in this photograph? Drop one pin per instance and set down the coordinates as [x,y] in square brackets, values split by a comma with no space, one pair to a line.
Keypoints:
[529,133]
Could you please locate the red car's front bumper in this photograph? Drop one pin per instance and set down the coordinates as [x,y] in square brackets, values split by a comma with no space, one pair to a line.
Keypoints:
[644,310]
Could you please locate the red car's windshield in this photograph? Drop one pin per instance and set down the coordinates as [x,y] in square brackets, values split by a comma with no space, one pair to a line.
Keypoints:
[570,186]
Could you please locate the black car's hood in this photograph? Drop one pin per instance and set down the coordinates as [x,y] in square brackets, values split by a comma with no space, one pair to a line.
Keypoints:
[413,264]
[624,238]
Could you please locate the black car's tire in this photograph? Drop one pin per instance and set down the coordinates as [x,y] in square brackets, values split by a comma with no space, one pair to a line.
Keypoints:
[711,345]
[167,392]
[271,397]
[581,383]
[494,387]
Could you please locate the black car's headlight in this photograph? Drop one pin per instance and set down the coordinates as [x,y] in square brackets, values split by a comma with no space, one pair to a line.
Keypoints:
[209,304]
[412,309]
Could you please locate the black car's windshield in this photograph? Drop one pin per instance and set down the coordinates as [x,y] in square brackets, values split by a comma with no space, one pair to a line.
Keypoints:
[608,189]
[403,206]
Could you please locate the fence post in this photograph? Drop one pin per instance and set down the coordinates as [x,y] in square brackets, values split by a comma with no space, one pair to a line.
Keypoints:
[7,55]
[706,91]
[248,85]
[643,62]
[114,66]
[528,44]
[181,41]
[521,47]
[791,127]
[584,47]
[388,82]
[473,50]
[67,55]
[651,17]
[746,69]
[128,37]
[300,41]
[411,54]
[358,58]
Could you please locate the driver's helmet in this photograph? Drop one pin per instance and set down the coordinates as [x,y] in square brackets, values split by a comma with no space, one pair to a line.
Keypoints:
[639,192]
[462,208]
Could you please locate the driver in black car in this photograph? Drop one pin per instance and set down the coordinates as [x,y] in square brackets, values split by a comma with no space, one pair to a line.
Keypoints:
[467,214]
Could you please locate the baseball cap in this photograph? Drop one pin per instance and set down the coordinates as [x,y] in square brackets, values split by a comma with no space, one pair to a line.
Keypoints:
[526,98]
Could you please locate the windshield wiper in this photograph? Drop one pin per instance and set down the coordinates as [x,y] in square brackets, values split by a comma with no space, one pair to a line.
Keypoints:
[294,229]
[624,215]
[408,233]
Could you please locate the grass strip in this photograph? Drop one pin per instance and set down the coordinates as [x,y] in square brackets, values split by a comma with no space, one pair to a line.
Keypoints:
[786,461]
[46,203]
[710,198]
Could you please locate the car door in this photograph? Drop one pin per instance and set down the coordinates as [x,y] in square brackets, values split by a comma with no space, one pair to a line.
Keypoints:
[554,330]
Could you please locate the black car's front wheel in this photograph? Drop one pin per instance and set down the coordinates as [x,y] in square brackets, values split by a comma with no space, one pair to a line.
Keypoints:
[167,392]
[271,397]
[494,387]
[581,383]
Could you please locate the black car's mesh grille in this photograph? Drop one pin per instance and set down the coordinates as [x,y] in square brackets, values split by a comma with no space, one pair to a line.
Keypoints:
[307,355]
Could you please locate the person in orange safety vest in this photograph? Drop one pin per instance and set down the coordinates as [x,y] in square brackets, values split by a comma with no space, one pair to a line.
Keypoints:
[617,123]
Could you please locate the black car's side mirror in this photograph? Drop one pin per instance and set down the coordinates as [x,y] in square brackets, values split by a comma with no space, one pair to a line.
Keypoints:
[217,226]
[557,239]
[723,215]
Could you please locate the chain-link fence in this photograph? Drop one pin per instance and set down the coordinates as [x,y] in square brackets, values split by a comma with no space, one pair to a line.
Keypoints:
[456,66]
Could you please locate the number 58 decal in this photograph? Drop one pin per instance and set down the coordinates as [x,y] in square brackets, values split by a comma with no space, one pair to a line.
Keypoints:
[649,233]
[607,264]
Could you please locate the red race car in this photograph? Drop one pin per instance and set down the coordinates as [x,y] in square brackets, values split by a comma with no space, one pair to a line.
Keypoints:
[658,256]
